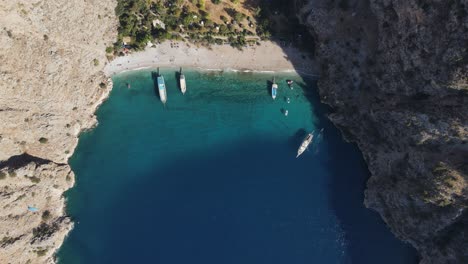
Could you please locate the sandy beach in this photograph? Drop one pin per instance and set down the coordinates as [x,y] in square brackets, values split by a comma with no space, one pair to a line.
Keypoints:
[267,56]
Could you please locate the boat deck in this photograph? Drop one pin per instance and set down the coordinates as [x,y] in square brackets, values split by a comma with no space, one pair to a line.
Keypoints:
[183,86]
[274,87]
[162,89]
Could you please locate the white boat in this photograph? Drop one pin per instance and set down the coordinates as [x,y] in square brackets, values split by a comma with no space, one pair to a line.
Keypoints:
[162,88]
[305,143]
[183,86]
[286,112]
[274,87]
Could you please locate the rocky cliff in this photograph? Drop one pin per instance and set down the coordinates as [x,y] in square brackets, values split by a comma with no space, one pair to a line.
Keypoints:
[395,73]
[52,54]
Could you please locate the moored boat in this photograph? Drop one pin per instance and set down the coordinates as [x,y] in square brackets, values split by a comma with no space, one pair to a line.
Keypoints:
[305,143]
[274,88]
[183,86]
[162,88]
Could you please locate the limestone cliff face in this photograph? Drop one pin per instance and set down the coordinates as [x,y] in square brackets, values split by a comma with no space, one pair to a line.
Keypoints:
[52,54]
[32,237]
[395,73]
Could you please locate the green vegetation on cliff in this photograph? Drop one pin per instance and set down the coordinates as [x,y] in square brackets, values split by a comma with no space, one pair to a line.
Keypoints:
[199,21]
[238,23]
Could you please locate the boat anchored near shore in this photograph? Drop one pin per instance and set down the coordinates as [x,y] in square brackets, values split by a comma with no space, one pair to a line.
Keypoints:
[162,88]
[305,143]
[274,88]
[183,86]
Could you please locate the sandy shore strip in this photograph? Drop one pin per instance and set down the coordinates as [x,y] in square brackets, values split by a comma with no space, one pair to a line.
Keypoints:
[267,56]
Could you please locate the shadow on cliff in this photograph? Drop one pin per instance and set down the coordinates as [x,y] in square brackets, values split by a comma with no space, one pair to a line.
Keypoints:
[347,187]
[16,162]
[346,194]
[363,228]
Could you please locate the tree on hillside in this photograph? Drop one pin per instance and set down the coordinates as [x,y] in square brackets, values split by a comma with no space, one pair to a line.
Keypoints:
[239,16]
[201,4]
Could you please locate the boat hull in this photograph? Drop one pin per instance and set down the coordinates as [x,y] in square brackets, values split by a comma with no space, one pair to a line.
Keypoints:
[274,89]
[305,143]
[183,86]
[162,89]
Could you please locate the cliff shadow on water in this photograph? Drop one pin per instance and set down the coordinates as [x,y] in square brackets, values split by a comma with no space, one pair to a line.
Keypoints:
[368,238]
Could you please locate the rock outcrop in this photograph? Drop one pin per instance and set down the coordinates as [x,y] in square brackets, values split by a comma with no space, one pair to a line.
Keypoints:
[395,73]
[51,81]
[32,236]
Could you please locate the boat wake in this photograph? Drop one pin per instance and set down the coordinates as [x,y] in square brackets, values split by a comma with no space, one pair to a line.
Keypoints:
[318,139]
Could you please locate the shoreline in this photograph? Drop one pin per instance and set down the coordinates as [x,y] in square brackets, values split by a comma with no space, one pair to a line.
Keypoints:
[268,57]
[78,176]
[243,65]
[46,108]
[200,69]
[284,71]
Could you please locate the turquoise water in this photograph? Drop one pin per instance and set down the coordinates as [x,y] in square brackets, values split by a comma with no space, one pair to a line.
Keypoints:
[212,178]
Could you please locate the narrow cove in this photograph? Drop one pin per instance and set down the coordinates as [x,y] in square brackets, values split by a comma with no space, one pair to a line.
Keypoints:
[212,178]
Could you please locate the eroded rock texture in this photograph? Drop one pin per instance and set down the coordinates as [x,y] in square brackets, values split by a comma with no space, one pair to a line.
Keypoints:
[51,59]
[395,74]
[32,237]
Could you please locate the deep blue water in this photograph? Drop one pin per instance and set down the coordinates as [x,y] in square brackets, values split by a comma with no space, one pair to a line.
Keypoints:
[212,178]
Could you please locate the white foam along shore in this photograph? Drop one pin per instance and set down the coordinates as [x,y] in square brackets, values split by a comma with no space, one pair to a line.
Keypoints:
[266,57]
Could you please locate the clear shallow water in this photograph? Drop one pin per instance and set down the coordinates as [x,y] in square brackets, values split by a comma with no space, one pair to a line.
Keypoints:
[212,178]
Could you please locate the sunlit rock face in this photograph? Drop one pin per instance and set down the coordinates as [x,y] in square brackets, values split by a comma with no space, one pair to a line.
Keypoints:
[52,54]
